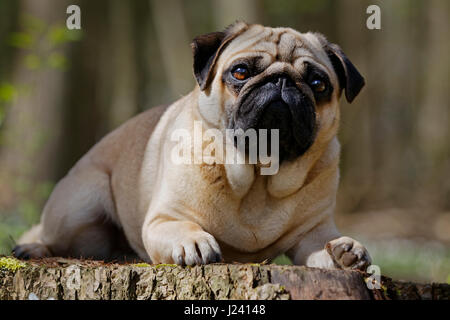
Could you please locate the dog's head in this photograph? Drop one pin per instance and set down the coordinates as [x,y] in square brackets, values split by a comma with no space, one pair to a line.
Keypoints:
[258,77]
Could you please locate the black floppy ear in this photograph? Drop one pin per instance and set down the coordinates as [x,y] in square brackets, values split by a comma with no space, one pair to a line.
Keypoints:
[204,49]
[207,48]
[349,77]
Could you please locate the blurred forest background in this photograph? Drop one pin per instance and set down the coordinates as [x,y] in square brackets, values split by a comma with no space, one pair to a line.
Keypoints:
[61,91]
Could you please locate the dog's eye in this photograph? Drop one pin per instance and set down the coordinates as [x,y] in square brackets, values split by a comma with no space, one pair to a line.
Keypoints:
[318,85]
[240,73]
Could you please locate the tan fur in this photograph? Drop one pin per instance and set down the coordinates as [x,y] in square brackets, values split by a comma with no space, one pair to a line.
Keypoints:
[166,210]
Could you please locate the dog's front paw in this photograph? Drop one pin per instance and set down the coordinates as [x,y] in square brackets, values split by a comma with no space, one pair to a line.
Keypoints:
[198,248]
[348,254]
[31,251]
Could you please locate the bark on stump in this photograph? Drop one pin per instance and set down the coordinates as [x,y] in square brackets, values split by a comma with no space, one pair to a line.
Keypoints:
[75,279]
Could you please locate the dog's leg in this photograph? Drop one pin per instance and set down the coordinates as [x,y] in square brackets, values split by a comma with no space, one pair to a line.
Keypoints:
[75,221]
[323,247]
[179,242]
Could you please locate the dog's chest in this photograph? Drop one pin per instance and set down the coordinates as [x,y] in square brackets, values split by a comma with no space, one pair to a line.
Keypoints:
[255,221]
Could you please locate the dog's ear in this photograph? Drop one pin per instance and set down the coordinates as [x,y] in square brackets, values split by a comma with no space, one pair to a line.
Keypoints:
[207,48]
[350,79]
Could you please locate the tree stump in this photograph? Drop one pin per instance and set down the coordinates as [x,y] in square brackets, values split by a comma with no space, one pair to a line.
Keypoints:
[94,280]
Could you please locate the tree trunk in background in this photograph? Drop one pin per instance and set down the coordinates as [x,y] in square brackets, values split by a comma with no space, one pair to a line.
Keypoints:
[227,12]
[434,115]
[104,78]
[173,40]
[33,125]
[380,157]
[355,133]
[120,69]
[8,21]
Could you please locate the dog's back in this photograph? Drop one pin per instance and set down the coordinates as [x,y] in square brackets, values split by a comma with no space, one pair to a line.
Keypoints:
[127,141]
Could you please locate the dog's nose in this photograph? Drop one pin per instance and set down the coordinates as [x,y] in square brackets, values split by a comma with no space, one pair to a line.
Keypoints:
[283,82]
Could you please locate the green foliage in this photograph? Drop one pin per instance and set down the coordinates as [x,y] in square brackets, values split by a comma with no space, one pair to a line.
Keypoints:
[43,43]
[26,38]
[282,260]
[10,229]
[31,197]
[44,189]
[43,48]
[26,214]
[8,93]
[32,61]
[21,40]
[57,60]
[402,259]
[58,35]
[29,211]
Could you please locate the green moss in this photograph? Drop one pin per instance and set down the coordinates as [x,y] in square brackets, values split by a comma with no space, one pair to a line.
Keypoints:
[11,264]
[141,265]
[166,265]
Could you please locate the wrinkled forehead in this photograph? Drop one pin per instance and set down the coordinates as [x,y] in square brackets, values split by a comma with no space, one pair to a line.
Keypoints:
[276,44]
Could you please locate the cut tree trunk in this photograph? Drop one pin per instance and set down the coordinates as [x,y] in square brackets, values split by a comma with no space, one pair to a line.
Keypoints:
[86,280]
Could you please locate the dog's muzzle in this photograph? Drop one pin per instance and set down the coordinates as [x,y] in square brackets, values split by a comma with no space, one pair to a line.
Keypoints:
[279,104]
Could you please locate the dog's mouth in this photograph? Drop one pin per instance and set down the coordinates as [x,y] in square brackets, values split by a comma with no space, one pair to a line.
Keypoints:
[278,104]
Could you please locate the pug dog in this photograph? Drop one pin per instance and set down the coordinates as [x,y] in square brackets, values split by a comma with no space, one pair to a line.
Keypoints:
[126,196]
